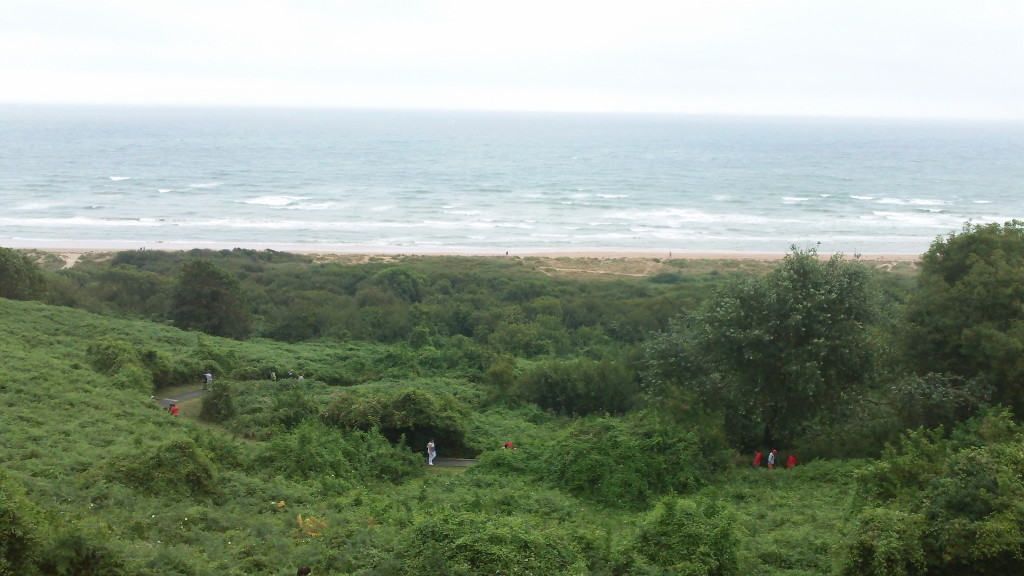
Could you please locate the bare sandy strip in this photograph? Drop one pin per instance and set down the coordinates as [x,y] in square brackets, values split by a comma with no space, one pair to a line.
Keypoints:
[598,261]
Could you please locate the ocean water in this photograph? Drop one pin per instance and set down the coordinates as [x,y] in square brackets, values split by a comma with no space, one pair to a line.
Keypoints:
[482,183]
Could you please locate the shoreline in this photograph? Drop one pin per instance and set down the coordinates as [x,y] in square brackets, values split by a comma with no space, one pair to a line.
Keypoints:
[71,255]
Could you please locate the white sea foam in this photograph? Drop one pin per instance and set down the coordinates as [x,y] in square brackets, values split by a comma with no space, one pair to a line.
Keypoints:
[204,185]
[274,200]
[859,197]
[83,222]
[119,178]
[914,202]
[683,216]
[919,219]
[310,206]
[36,206]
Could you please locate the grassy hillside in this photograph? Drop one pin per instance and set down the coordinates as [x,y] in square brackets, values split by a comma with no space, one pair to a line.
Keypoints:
[116,481]
[264,473]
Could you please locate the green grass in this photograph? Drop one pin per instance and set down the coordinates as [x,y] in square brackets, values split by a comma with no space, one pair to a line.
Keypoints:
[68,431]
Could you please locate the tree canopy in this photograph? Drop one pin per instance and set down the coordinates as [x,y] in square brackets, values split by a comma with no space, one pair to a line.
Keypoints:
[775,349]
[967,316]
[20,278]
[208,298]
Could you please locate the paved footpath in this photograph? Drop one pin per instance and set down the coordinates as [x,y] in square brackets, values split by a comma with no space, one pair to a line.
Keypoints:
[165,402]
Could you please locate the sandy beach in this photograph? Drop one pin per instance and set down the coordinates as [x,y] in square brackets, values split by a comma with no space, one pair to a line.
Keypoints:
[607,261]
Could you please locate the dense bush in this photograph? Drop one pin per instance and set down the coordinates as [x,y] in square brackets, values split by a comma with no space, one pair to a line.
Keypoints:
[687,537]
[337,458]
[20,278]
[77,550]
[20,525]
[175,467]
[580,386]
[620,462]
[413,414]
[218,403]
[464,544]
[949,506]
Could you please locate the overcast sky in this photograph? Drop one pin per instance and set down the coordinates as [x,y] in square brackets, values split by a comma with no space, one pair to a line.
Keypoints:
[915,58]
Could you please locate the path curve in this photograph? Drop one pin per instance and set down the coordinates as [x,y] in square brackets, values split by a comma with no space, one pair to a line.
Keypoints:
[165,402]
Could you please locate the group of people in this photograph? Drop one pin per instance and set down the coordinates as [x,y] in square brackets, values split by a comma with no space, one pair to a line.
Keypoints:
[273,375]
[773,460]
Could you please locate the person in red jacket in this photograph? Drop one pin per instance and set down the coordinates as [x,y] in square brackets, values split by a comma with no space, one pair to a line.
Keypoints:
[757,459]
[173,409]
[791,461]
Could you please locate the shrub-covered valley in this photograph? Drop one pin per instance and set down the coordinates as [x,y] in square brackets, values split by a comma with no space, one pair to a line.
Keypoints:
[635,393]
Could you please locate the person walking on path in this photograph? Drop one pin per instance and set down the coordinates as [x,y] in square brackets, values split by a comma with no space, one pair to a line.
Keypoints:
[207,380]
[431,452]
[173,409]
[791,461]
[771,459]
[757,459]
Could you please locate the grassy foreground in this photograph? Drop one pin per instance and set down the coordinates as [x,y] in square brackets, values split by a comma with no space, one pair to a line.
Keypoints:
[107,476]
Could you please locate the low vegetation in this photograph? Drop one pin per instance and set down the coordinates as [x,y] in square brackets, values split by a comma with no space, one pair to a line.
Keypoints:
[635,395]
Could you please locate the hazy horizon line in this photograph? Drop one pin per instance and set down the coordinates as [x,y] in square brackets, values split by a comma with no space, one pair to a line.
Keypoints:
[537,111]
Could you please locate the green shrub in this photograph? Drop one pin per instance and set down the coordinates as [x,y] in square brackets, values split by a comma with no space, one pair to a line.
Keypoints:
[131,366]
[20,277]
[886,543]
[622,462]
[464,544]
[959,497]
[689,537]
[20,526]
[218,403]
[415,414]
[580,386]
[176,467]
[313,451]
[78,550]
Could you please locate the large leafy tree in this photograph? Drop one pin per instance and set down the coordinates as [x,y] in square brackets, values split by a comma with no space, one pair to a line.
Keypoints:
[967,315]
[774,351]
[208,298]
[20,278]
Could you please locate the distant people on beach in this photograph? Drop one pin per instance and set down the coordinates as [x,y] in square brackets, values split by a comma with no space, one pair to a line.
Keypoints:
[431,452]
